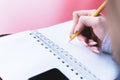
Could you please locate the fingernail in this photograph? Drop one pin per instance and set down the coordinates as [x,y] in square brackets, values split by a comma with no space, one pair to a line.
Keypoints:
[96,51]
[92,43]
[76,29]
[84,43]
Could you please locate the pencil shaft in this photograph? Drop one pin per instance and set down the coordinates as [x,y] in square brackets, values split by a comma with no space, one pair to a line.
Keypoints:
[99,10]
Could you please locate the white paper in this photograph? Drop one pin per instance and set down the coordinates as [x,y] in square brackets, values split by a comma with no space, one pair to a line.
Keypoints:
[22,57]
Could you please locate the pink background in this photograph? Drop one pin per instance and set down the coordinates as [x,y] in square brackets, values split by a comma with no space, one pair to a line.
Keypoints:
[21,15]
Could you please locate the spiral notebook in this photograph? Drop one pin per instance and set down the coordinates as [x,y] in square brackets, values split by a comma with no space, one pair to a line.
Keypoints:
[27,54]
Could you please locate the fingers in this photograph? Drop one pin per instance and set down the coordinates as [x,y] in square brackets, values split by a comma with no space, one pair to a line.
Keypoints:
[77,14]
[89,43]
[92,42]
[98,24]
[82,20]
[83,40]
[83,17]
[89,21]
[92,46]
[94,49]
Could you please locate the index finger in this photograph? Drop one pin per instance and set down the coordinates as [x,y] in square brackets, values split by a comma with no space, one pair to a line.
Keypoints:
[77,14]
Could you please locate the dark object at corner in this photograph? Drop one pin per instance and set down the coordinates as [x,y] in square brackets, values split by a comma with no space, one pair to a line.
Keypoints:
[2,35]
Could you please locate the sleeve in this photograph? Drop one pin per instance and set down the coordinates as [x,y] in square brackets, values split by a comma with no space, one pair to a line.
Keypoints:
[107,48]
[118,78]
[106,45]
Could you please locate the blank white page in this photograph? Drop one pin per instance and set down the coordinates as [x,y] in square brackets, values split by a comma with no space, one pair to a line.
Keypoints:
[22,57]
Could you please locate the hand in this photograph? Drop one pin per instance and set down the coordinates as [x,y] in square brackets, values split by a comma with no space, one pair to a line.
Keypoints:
[93,28]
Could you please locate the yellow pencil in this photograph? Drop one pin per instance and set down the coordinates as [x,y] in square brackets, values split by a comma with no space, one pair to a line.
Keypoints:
[96,13]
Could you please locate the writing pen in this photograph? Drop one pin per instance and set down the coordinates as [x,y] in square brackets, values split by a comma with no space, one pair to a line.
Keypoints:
[96,13]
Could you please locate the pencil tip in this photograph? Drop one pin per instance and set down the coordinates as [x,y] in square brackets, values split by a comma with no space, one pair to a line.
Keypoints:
[69,41]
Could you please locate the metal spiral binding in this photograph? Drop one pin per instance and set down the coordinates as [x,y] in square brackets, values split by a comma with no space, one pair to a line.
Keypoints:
[66,56]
